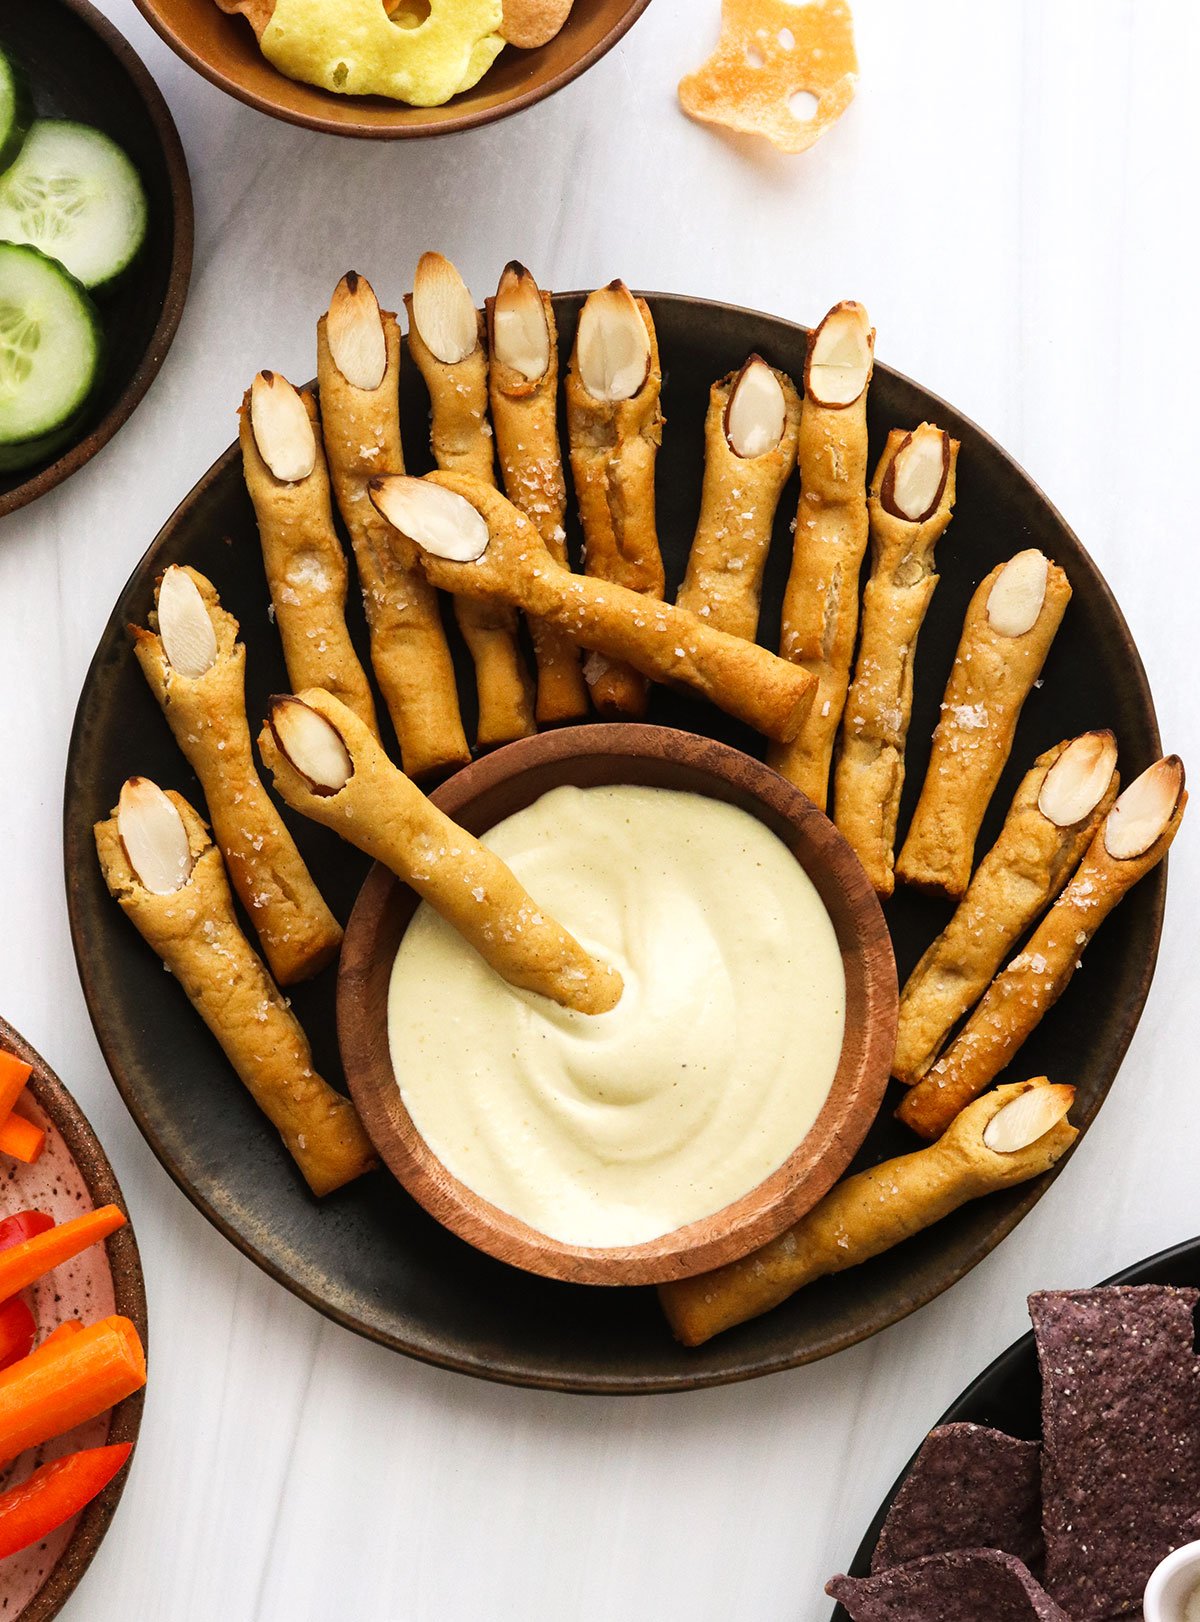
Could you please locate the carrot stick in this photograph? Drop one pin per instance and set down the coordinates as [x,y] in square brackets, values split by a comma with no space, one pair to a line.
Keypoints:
[27,1261]
[60,1386]
[21,1139]
[43,1501]
[64,1332]
[14,1073]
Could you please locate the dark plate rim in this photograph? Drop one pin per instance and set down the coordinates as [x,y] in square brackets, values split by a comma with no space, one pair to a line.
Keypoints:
[129,1292]
[151,10]
[182,239]
[600,1383]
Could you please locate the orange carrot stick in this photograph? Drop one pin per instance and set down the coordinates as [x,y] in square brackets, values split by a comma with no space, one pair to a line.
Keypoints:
[64,1332]
[21,1139]
[23,1263]
[60,1386]
[14,1073]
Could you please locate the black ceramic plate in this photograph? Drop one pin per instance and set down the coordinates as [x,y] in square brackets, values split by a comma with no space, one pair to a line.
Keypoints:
[1008,1394]
[80,67]
[369,1257]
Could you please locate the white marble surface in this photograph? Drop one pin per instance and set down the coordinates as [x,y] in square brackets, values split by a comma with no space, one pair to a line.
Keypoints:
[1011,197]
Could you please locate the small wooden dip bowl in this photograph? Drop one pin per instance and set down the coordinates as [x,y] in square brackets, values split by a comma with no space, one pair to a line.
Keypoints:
[587,757]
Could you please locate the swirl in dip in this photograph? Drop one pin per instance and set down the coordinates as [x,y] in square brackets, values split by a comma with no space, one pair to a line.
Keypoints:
[617,1128]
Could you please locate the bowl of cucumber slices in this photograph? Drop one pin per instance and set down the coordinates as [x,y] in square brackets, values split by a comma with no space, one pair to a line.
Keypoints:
[95,239]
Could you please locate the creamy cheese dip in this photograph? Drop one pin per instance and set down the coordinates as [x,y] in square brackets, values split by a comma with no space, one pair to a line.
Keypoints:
[616,1128]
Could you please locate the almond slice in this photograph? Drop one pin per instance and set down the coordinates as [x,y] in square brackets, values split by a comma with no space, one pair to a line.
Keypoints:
[354,332]
[916,475]
[283,431]
[443,311]
[1016,598]
[188,638]
[1076,783]
[1142,813]
[612,344]
[520,335]
[757,411]
[154,837]
[1027,1118]
[437,519]
[840,355]
[313,745]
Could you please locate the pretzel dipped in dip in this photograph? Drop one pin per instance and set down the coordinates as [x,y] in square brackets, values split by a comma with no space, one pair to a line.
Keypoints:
[358,374]
[1017,1132]
[196,669]
[1130,842]
[750,437]
[1011,622]
[820,606]
[1050,824]
[474,541]
[329,767]
[912,499]
[166,874]
[447,338]
[523,387]
[614,422]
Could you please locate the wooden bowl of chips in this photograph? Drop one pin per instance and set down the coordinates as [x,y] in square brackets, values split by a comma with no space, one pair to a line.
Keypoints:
[224,48]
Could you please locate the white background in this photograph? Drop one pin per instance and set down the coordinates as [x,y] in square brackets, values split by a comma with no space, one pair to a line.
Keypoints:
[1012,195]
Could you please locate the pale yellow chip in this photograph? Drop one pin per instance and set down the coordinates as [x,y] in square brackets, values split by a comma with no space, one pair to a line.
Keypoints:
[530,23]
[780,70]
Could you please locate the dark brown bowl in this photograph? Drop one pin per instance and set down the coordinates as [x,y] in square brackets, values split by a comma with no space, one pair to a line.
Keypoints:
[656,757]
[225,51]
[80,67]
[72,1174]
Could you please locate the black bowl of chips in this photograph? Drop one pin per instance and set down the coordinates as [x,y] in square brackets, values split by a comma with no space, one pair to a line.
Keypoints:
[1061,1477]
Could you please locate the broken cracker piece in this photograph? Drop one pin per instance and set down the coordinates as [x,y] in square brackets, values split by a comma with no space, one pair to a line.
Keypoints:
[530,23]
[781,70]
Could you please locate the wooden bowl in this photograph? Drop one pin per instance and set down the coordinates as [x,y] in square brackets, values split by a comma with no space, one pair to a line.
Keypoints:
[225,51]
[658,757]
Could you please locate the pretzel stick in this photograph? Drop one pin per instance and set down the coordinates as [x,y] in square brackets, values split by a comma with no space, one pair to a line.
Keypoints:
[750,437]
[358,374]
[999,1141]
[196,669]
[911,503]
[1011,622]
[306,569]
[473,540]
[328,767]
[1054,814]
[614,424]
[820,605]
[166,874]
[523,387]
[1133,838]
[446,338]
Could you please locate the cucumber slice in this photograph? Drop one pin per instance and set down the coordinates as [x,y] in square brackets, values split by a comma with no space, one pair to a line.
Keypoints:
[75,195]
[16,110]
[50,350]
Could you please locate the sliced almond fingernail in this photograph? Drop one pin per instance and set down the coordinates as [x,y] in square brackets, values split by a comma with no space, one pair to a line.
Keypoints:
[756,412]
[1078,780]
[1142,812]
[354,332]
[188,638]
[313,745]
[154,837]
[612,345]
[840,354]
[438,520]
[1017,595]
[520,334]
[443,310]
[1027,1118]
[283,430]
[916,475]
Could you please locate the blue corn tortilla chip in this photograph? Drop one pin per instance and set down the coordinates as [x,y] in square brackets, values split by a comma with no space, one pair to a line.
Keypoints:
[1121,1439]
[969,1488]
[966,1585]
